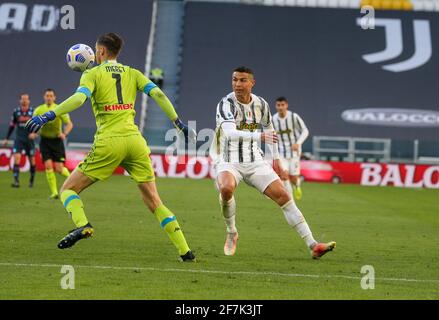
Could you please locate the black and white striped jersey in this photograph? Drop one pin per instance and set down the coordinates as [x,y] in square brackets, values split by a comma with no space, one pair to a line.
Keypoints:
[247,117]
[290,130]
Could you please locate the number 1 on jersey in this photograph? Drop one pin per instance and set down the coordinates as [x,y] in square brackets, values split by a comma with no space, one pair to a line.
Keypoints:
[118,87]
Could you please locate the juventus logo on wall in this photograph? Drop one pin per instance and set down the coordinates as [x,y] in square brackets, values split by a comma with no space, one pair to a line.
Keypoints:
[395,47]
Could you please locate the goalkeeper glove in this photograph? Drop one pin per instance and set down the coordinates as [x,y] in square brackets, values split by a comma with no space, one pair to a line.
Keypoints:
[37,122]
[189,133]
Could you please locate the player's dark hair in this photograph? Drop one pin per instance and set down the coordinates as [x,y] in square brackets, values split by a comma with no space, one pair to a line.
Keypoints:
[49,90]
[281,99]
[112,41]
[244,70]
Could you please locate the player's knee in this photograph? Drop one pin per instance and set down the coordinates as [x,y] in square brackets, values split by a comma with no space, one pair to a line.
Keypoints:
[72,184]
[67,186]
[282,197]
[227,192]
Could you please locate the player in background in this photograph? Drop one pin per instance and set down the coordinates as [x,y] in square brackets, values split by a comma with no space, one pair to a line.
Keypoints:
[23,140]
[112,88]
[238,157]
[292,132]
[52,142]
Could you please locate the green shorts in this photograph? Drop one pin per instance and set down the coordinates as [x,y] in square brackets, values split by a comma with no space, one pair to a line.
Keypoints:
[130,152]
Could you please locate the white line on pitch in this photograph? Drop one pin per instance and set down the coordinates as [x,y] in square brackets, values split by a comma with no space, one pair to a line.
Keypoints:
[249,273]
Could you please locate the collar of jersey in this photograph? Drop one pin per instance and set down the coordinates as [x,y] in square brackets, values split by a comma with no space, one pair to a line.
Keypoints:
[110,61]
[286,115]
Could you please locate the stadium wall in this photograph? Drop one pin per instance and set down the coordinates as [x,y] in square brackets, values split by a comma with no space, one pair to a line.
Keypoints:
[34,46]
[367,174]
[343,80]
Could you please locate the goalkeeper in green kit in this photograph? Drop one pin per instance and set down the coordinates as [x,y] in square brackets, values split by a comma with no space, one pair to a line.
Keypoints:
[112,89]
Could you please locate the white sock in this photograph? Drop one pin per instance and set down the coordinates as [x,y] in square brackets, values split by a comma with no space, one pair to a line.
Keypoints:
[298,182]
[228,208]
[288,186]
[296,219]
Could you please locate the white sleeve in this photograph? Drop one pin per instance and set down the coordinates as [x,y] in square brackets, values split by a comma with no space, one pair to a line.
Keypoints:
[303,129]
[274,148]
[267,125]
[230,131]
[266,120]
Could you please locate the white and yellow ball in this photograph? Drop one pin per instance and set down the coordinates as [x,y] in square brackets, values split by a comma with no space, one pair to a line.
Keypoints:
[80,57]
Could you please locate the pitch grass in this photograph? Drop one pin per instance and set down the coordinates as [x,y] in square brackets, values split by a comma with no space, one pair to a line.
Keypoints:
[394,230]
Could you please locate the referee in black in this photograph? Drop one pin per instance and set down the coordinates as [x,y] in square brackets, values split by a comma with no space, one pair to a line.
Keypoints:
[53,135]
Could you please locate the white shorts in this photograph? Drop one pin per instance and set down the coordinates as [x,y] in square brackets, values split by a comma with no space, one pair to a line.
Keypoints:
[292,165]
[257,174]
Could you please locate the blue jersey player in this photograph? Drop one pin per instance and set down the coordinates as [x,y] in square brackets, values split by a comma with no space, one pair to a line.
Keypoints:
[23,140]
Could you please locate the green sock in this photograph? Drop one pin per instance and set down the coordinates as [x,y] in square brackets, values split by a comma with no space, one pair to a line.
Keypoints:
[74,206]
[51,180]
[169,223]
[65,172]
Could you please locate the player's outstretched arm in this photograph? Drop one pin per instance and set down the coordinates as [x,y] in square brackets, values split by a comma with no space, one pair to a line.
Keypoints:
[273,146]
[304,130]
[166,105]
[68,105]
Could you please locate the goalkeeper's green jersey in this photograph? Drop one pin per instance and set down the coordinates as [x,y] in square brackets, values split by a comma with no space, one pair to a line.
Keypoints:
[112,89]
[52,129]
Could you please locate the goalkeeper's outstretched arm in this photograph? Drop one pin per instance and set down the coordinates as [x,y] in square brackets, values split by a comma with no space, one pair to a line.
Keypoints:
[74,102]
[70,104]
[166,105]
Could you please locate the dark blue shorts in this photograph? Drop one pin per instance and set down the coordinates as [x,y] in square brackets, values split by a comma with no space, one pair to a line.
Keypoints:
[28,147]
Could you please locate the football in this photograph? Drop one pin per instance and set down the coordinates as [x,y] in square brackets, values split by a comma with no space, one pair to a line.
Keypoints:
[80,57]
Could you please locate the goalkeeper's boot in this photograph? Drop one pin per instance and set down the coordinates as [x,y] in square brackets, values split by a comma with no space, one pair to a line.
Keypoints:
[54,196]
[321,248]
[188,257]
[75,235]
[297,193]
[15,184]
[230,244]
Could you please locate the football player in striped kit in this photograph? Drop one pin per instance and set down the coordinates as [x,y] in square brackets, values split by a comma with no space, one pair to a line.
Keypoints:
[292,132]
[238,156]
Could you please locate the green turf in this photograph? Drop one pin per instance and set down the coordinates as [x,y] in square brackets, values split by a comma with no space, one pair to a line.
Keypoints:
[394,230]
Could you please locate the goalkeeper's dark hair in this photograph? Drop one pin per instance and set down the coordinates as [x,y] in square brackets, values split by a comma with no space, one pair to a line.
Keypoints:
[112,41]
[244,70]
[281,99]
